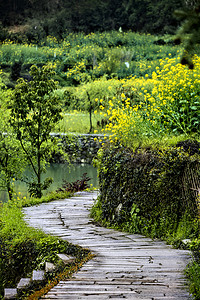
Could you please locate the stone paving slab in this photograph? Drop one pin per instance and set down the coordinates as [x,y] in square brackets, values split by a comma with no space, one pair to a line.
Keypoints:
[128,266]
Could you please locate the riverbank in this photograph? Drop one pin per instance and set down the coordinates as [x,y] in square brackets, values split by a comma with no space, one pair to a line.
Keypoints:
[60,172]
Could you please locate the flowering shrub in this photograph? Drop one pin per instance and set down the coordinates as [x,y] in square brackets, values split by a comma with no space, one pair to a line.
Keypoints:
[167,102]
[124,111]
[78,73]
[174,100]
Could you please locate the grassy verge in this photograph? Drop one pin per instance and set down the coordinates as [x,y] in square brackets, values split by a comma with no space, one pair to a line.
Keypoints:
[193,275]
[24,248]
[66,273]
[25,202]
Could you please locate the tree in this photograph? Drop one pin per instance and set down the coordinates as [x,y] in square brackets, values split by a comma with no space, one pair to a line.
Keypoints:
[189,32]
[165,20]
[35,109]
[12,162]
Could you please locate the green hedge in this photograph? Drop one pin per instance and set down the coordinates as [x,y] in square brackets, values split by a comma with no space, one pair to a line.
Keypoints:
[147,190]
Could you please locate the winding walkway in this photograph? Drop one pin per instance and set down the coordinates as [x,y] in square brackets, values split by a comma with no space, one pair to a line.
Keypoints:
[126,265]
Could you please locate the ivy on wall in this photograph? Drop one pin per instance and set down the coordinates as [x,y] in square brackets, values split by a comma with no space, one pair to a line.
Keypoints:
[148,188]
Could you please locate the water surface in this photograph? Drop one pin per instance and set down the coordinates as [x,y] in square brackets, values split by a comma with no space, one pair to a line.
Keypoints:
[58,172]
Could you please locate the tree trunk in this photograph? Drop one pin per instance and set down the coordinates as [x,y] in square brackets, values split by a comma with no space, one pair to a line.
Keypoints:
[9,189]
[90,111]
[90,121]
[39,188]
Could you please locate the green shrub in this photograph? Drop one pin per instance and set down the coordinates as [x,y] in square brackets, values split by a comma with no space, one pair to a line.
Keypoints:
[145,186]
[193,275]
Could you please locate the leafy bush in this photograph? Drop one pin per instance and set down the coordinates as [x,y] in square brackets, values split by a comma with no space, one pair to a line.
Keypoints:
[193,275]
[145,188]
[76,186]
[153,190]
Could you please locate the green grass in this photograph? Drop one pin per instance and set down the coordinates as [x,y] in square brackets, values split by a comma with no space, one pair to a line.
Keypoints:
[24,248]
[78,122]
[193,275]
[20,202]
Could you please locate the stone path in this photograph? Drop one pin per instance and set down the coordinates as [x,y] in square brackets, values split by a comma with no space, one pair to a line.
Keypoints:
[126,265]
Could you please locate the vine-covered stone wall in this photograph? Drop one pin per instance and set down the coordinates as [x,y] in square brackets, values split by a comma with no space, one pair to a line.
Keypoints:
[150,185]
[80,148]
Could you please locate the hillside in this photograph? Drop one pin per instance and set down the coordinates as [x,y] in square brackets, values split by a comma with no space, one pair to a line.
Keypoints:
[51,17]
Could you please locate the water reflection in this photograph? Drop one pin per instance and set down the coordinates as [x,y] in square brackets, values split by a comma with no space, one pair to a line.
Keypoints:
[58,172]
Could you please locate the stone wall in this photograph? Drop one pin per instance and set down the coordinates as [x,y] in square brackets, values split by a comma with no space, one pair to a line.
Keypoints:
[80,148]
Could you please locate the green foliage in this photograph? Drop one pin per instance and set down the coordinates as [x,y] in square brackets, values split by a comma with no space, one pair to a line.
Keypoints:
[101,89]
[12,160]
[17,242]
[193,275]
[188,33]
[96,212]
[168,103]
[55,17]
[35,110]
[173,101]
[80,58]
[135,222]
[20,202]
[78,122]
[28,54]
[144,188]
[89,96]
[149,190]
[23,248]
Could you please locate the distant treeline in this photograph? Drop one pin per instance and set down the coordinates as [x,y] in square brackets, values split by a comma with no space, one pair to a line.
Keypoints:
[54,17]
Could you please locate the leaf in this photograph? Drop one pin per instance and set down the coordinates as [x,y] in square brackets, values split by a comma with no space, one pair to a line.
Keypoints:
[196,123]
[193,107]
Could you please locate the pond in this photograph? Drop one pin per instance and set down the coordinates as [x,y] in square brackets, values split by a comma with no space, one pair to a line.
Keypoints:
[58,172]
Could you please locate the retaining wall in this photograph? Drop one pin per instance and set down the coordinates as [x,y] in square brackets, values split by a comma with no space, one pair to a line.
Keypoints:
[80,148]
